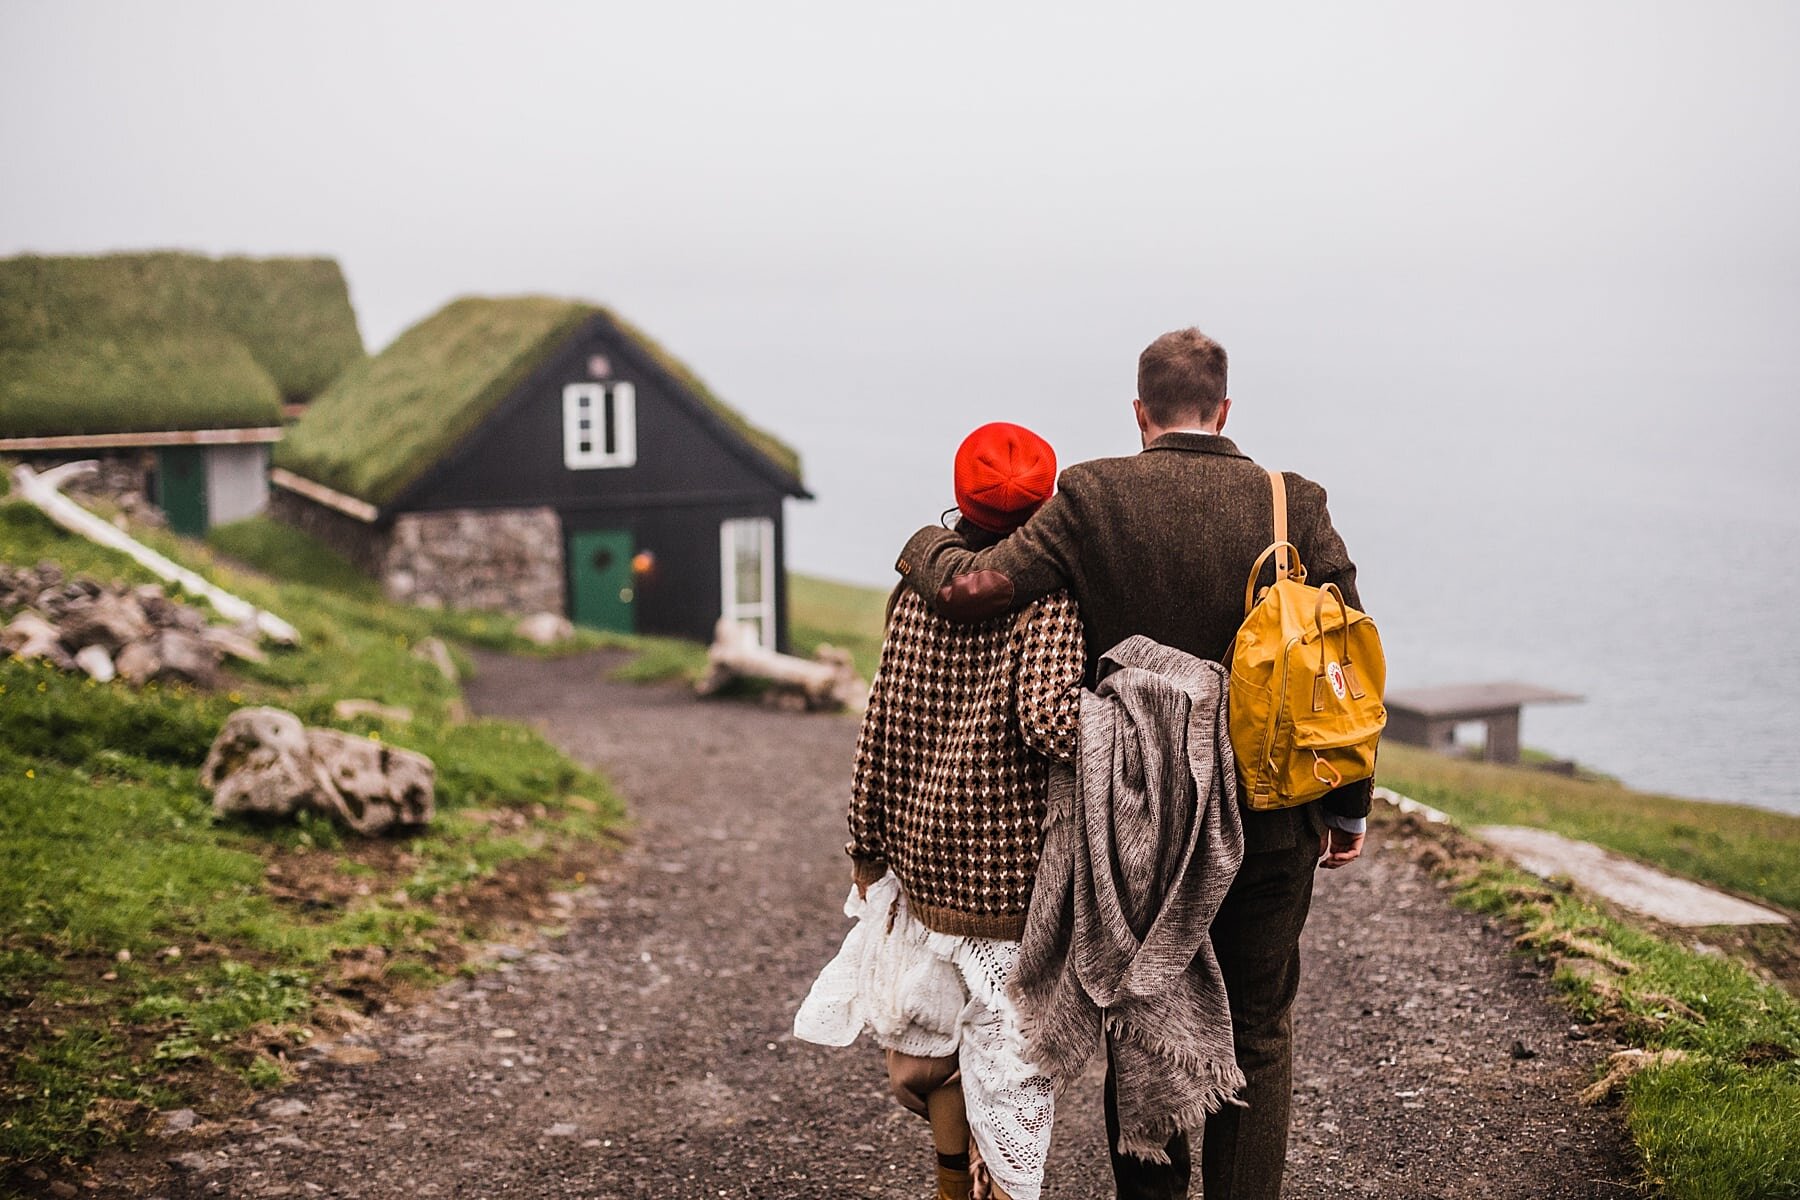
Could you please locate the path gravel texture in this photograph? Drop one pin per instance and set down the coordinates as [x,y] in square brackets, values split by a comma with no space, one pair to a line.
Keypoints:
[648,1053]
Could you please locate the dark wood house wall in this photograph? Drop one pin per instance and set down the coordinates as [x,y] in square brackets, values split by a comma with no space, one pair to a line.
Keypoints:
[692,473]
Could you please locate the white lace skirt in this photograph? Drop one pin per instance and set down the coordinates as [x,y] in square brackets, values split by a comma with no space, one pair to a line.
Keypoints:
[934,995]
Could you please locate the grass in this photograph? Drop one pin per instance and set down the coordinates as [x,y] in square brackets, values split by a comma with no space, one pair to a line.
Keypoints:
[289,555]
[1746,850]
[129,342]
[1724,1121]
[847,615]
[153,954]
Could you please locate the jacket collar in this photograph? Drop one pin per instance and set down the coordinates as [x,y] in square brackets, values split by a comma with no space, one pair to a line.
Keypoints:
[1198,443]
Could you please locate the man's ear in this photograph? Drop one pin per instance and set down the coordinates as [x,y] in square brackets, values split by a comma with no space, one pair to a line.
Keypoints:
[1224,411]
[1143,419]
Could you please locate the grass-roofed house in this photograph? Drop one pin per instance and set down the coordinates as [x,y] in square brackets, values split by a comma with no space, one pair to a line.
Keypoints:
[529,455]
[171,368]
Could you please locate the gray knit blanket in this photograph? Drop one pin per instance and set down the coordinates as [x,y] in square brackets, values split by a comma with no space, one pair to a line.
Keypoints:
[1142,840]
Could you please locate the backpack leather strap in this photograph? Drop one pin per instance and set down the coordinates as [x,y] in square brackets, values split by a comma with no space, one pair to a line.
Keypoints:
[1278,486]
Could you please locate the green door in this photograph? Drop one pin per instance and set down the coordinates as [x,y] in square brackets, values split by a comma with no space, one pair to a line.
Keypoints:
[600,579]
[181,488]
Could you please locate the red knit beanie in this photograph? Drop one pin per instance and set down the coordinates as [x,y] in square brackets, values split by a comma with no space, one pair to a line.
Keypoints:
[1004,473]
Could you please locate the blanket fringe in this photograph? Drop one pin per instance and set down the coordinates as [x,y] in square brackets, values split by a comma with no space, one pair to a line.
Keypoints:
[1150,1142]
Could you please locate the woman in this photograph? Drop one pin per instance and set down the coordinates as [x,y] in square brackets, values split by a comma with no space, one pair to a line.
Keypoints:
[946,816]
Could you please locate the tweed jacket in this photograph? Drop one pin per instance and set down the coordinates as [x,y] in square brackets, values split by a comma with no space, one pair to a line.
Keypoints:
[952,765]
[1157,543]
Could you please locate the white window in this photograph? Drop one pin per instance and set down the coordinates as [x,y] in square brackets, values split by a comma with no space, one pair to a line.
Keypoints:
[599,425]
[747,566]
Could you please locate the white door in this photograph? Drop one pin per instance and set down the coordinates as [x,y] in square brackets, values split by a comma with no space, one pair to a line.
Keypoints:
[747,569]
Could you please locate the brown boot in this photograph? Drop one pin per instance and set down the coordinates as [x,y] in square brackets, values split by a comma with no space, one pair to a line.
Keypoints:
[953,1177]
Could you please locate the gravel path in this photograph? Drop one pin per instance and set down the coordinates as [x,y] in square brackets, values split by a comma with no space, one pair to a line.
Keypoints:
[647,1053]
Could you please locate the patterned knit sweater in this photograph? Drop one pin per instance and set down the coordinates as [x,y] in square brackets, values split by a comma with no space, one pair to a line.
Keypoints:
[952,766]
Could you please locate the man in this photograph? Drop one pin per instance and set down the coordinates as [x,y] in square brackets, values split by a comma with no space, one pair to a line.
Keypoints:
[1160,543]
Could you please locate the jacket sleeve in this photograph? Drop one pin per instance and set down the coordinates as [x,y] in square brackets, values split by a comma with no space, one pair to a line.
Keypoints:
[1047,686]
[966,585]
[1329,562]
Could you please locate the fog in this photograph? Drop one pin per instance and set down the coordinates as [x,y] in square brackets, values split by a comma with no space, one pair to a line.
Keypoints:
[1516,281]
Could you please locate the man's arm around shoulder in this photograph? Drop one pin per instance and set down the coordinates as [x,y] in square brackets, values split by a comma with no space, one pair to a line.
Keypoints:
[973,585]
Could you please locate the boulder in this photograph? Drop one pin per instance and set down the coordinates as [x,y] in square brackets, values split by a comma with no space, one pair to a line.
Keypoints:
[545,629]
[265,761]
[374,786]
[261,763]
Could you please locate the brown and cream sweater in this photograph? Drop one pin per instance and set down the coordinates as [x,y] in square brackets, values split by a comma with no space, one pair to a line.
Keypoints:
[952,766]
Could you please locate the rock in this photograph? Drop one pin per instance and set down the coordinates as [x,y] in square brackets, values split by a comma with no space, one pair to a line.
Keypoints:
[179,1121]
[137,663]
[187,658]
[284,1110]
[29,635]
[434,651]
[192,1163]
[350,710]
[234,643]
[96,662]
[111,621]
[265,761]
[262,763]
[64,1188]
[374,786]
[545,629]
[561,1129]
[1521,1051]
[348,1055]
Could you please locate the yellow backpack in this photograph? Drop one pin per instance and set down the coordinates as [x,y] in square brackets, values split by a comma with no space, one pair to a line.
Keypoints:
[1307,673]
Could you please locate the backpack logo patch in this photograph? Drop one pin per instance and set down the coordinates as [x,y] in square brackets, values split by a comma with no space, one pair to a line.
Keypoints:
[1334,674]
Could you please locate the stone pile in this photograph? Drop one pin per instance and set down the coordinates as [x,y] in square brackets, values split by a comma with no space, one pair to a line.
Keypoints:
[265,762]
[139,633]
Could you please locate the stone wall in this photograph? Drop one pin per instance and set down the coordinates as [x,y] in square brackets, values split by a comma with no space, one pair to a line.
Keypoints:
[362,543]
[507,559]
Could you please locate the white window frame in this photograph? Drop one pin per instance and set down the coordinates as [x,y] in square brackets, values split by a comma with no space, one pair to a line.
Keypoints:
[594,401]
[762,611]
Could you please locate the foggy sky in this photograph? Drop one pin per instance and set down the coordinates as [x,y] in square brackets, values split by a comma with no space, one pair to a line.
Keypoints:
[1479,248]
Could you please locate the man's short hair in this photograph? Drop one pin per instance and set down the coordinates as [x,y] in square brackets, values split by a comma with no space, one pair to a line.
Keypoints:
[1181,377]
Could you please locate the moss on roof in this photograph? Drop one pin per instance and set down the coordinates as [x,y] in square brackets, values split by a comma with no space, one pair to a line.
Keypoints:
[127,343]
[387,420]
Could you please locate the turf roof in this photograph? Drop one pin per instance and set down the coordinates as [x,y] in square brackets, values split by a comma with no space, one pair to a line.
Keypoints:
[128,343]
[388,419]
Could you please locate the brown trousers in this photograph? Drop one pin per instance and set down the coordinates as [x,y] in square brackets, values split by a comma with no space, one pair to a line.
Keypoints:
[1257,938]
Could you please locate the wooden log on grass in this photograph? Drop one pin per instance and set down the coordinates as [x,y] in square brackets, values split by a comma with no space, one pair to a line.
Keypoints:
[827,681]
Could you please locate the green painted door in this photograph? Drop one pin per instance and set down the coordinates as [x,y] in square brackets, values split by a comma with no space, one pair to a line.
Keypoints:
[600,579]
[181,488]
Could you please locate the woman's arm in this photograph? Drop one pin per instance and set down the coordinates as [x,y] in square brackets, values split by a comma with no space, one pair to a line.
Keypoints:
[1047,687]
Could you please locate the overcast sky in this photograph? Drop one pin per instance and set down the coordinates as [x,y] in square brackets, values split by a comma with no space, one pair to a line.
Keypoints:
[1429,233]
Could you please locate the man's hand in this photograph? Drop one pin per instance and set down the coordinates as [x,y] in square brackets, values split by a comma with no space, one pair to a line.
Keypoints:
[1339,849]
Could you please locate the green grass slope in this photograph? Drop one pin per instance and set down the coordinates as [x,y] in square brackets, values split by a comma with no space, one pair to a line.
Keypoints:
[1747,850]
[847,615]
[151,954]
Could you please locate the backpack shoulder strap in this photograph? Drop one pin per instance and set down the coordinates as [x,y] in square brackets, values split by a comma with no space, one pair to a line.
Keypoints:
[1278,486]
